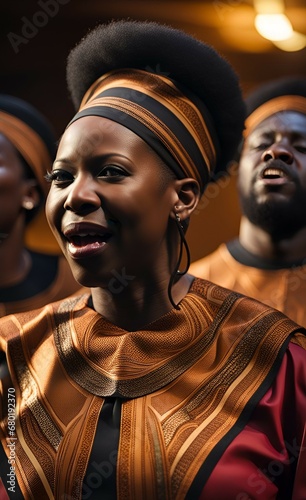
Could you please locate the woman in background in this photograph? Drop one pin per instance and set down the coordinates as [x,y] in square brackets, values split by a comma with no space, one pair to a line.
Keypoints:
[28,279]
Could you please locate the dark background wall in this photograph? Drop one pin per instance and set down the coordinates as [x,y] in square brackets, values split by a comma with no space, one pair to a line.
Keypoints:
[37,35]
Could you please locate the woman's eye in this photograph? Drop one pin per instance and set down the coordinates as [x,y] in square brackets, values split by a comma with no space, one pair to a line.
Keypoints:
[59,176]
[113,171]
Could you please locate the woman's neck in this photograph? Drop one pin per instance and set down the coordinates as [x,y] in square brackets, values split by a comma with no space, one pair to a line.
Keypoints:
[139,304]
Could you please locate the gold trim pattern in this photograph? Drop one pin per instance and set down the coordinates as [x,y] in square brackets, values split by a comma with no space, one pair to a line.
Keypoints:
[185,430]
[109,383]
[30,396]
[163,91]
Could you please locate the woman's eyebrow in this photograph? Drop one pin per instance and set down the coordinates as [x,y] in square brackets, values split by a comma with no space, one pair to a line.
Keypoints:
[63,160]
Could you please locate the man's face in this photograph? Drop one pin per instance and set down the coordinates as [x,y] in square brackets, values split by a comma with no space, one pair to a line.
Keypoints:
[272,174]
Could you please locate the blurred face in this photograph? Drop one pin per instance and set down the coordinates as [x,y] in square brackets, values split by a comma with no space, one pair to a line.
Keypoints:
[109,202]
[272,174]
[12,187]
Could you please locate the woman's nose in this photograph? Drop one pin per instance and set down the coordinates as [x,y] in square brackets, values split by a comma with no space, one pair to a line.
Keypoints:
[278,152]
[82,196]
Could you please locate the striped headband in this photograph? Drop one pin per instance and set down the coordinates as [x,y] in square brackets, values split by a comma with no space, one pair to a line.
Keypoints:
[29,144]
[275,105]
[178,129]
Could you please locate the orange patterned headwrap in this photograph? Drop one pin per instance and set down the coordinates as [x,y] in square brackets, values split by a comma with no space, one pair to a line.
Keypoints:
[29,144]
[275,105]
[174,124]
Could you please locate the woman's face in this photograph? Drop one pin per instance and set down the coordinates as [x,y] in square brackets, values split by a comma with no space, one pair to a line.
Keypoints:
[109,202]
[13,187]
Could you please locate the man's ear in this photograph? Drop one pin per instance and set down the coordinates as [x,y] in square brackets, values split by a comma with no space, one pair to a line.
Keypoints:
[31,197]
[187,197]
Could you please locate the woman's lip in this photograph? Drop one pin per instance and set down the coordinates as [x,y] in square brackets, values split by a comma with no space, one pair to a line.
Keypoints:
[86,239]
[79,228]
[85,251]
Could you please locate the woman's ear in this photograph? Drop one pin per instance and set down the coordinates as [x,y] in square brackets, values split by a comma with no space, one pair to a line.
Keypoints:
[188,196]
[31,197]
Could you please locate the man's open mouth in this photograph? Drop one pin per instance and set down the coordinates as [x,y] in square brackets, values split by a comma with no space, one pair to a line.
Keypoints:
[274,173]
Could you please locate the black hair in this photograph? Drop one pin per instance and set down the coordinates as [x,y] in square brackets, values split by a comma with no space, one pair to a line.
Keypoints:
[32,117]
[189,62]
[291,85]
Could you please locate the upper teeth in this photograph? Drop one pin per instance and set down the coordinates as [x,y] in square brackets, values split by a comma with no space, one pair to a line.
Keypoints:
[274,171]
[82,235]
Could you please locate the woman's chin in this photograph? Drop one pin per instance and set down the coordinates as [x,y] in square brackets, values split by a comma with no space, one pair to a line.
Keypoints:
[90,279]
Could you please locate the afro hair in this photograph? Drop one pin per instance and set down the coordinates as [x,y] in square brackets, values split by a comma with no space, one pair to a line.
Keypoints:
[291,85]
[168,51]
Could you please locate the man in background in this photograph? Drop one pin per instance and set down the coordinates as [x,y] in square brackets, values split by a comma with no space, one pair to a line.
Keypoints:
[268,259]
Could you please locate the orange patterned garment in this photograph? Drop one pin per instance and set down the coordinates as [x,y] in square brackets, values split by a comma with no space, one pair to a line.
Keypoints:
[284,289]
[189,384]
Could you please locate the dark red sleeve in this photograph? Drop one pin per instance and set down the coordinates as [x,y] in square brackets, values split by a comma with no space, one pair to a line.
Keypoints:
[267,460]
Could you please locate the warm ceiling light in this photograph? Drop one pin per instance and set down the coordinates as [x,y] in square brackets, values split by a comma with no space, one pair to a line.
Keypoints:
[269,6]
[296,42]
[274,27]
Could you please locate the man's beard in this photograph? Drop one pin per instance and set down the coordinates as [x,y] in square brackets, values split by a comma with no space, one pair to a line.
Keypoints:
[280,218]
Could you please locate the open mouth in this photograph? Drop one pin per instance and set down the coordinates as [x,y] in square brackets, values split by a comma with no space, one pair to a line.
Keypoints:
[85,239]
[274,173]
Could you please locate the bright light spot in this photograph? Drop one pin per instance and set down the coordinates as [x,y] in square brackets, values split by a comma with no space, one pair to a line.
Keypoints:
[269,6]
[296,42]
[274,27]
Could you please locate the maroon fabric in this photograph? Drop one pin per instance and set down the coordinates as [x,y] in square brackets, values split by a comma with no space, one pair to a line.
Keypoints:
[261,461]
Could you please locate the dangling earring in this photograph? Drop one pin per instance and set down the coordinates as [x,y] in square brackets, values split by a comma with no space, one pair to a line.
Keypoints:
[176,272]
[28,205]
[182,244]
